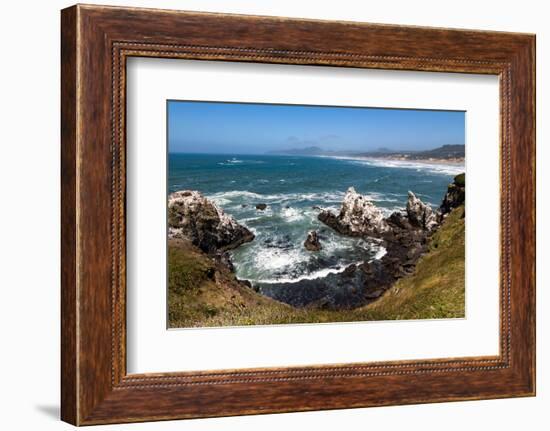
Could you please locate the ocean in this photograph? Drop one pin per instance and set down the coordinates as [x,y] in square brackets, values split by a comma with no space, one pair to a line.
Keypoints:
[294,188]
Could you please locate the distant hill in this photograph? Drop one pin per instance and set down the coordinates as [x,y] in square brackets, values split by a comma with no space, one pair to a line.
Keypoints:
[382,150]
[445,152]
[308,151]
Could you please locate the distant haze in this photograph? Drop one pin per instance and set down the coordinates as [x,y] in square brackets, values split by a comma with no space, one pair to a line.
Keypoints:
[239,128]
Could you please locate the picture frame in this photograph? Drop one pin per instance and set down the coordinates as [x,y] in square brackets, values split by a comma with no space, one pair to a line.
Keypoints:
[96,42]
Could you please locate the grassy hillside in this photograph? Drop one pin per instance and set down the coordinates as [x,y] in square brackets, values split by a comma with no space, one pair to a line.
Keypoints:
[203,293]
[436,288]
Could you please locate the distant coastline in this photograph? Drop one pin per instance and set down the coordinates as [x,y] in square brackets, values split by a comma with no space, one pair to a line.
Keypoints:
[446,154]
[428,161]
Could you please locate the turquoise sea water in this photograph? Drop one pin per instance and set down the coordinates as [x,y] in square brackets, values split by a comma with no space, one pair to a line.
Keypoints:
[294,188]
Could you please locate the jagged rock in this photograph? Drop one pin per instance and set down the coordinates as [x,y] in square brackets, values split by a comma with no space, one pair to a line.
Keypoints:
[374,294]
[455,196]
[421,215]
[350,270]
[404,235]
[246,283]
[328,218]
[261,207]
[312,241]
[193,217]
[224,258]
[358,216]
[399,219]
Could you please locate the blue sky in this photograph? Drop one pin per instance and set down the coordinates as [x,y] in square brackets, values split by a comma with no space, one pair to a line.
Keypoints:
[240,128]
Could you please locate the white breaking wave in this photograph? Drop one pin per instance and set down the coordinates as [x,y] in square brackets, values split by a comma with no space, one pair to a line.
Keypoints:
[235,161]
[321,273]
[329,197]
[436,168]
[379,254]
[235,194]
[292,214]
[218,200]
[249,219]
[273,260]
[232,161]
[279,197]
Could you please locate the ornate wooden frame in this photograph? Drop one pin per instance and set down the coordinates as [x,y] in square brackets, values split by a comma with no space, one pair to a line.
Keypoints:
[95,42]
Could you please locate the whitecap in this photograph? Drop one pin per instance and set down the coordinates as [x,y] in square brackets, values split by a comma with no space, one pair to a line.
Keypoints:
[235,194]
[312,276]
[419,166]
[379,254]
[218,200]
[248,219]
[435,168]
[281,197]
[273,259]
[291,214]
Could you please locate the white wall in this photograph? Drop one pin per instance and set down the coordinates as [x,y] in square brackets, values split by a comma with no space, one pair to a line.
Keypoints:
[29,214]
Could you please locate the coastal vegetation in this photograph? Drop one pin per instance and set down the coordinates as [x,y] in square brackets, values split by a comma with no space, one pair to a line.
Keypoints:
[420,277]
[203,293]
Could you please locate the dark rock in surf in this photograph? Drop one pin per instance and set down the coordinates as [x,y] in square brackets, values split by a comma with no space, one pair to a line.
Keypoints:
[334,291]
[261,207]
[312,242]
[403,234]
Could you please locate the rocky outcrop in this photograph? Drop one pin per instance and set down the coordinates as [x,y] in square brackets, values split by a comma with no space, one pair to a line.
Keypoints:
[455,196]
[358,216]
[404,235]
[261,207]
[312,242]
[421,215]
[193,217]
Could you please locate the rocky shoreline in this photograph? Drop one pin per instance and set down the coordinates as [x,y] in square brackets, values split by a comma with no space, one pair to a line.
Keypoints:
[194,218]
[404,234]
[458,161]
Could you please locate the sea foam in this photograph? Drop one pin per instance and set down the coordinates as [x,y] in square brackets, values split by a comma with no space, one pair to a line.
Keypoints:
[436,168]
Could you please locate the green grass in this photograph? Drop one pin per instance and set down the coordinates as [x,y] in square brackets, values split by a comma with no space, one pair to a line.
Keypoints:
[436,288]
[202,293]
[460,180]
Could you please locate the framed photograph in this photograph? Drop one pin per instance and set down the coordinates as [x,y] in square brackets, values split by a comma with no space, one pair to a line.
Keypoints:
[264,215]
